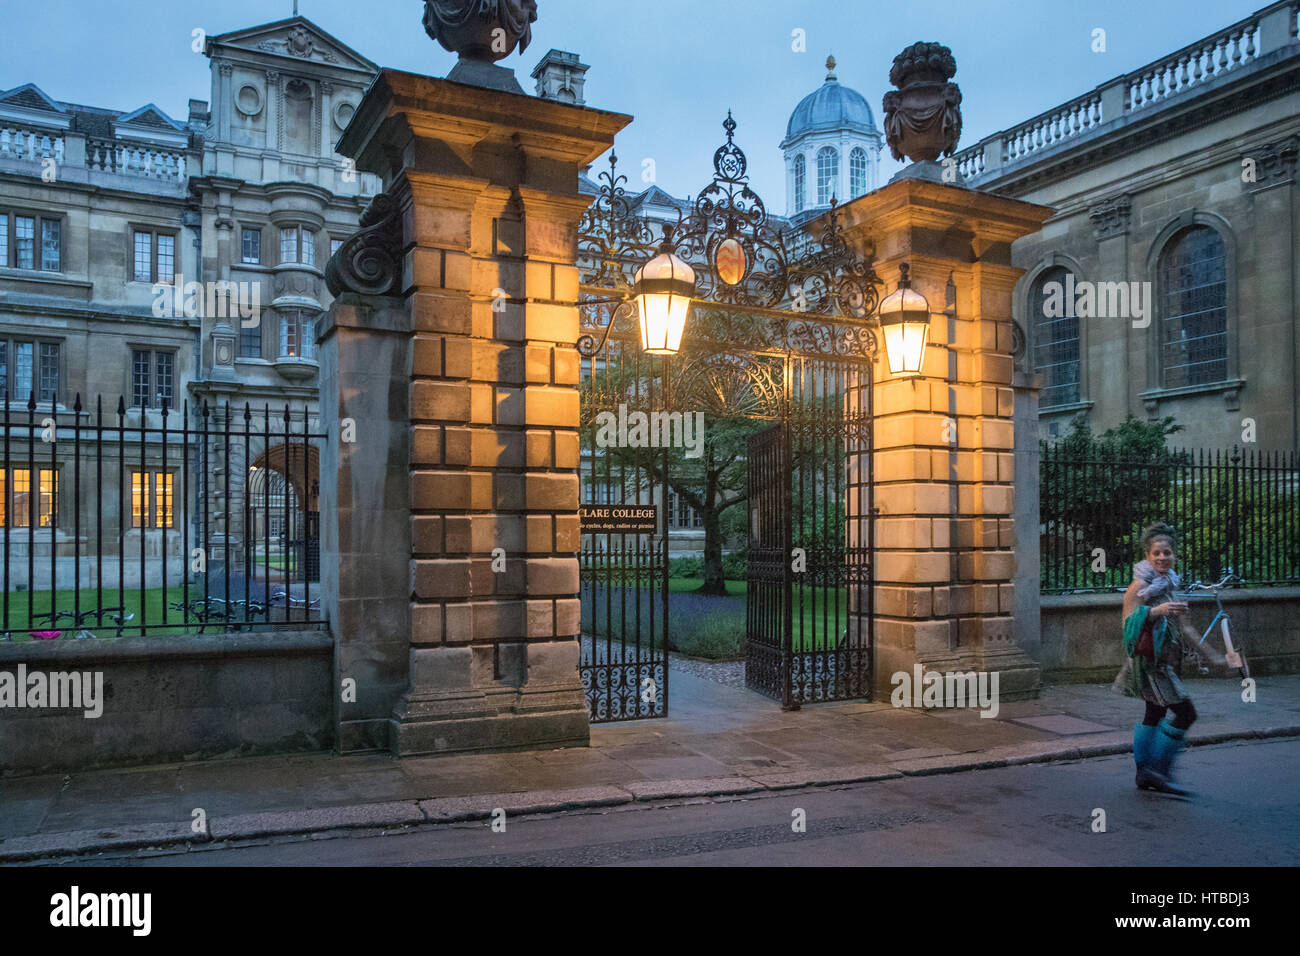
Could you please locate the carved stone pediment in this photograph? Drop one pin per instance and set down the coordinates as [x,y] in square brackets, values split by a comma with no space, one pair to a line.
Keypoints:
[297,39]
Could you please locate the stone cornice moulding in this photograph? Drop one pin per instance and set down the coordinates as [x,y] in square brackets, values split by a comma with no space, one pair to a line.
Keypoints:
[466,115]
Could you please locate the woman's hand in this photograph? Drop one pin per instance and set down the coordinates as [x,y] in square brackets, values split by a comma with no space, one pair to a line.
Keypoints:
[1169,609]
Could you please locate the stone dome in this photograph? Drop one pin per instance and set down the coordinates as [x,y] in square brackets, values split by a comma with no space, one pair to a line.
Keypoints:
[829,108]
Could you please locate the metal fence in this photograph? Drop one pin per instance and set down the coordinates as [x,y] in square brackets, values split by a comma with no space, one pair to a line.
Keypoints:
[148,521]
[1237,509]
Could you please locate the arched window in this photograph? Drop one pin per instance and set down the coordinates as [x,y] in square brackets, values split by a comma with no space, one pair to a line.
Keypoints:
[1193,308]
[828,167]
[800,182]
[857,172]
[1054,331]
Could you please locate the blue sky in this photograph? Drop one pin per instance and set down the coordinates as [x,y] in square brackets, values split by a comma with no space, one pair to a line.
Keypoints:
[676,65]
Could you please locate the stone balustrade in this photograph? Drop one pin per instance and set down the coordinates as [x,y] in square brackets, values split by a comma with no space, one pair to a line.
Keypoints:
[30,144]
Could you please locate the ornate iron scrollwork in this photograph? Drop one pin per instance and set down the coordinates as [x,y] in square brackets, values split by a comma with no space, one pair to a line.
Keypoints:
[369,262]
[749,284]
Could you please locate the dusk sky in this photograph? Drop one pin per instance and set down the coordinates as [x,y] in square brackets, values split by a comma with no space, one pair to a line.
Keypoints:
[676,65]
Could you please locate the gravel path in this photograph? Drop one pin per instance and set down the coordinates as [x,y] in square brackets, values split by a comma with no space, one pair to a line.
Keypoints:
[729,673]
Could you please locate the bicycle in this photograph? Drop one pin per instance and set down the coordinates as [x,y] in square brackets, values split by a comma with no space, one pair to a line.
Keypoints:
[115,614]
[1232,656]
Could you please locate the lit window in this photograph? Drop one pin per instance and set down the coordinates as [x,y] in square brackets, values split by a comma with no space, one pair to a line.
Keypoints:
[151,499]
[47,504]
[298,334]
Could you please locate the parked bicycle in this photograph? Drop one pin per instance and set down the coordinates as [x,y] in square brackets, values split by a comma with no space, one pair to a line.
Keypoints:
[232,615]
[114,614]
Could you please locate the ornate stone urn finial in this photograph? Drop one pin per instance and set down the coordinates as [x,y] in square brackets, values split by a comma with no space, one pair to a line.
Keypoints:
[923,116]
[481,32]
[830,68]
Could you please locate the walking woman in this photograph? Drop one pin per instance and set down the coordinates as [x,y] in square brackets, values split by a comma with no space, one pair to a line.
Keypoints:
[1153,626]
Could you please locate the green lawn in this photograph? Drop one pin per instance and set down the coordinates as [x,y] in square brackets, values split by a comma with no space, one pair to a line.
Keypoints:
[152,613]
[815,624]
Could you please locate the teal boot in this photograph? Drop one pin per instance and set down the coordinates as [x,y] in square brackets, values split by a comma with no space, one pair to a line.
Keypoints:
[1148,777]
[1166,744]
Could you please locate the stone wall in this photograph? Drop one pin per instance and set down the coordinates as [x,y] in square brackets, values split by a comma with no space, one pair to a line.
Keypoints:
[174,698]
[1081,632]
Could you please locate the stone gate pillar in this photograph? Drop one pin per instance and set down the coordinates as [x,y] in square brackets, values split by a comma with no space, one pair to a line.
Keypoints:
[944,440]
[485,182]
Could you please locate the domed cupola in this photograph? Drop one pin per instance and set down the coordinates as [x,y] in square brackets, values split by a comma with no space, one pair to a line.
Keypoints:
[832,147]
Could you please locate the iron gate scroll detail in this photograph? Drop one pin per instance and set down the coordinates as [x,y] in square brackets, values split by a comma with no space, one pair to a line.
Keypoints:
[810,582]
[784,315]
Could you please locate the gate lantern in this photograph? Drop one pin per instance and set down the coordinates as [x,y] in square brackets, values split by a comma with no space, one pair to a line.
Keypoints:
[663,288]
[905,322]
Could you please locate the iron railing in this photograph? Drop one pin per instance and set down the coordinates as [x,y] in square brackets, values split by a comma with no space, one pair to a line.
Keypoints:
[1235,510]
[144,521]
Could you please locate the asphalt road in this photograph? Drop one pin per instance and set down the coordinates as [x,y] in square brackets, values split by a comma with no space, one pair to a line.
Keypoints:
[1245,814]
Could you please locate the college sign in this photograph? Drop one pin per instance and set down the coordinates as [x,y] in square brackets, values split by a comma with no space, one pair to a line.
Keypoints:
[618,519]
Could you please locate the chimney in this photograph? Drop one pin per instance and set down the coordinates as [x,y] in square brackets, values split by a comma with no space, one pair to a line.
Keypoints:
[560,76]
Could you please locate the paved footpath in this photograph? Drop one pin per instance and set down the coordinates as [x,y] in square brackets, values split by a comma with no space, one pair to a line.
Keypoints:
[720,740]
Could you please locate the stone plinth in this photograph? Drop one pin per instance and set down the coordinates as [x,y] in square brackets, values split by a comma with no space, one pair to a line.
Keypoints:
[944,440]
[487,185]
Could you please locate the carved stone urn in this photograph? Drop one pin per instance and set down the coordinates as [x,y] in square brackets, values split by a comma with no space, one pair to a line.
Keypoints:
[481,32]
[923,116]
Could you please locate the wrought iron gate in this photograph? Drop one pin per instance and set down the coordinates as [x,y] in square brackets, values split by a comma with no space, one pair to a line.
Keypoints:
[809,586]
[624,574]
[786,315]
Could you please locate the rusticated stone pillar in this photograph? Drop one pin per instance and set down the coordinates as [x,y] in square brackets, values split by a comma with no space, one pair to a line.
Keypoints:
[486,182]
[944,440]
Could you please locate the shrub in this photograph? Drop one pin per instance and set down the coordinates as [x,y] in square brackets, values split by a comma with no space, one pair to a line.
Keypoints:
[712,627]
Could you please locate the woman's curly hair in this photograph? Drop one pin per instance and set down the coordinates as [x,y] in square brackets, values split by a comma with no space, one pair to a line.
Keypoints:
[1159,530]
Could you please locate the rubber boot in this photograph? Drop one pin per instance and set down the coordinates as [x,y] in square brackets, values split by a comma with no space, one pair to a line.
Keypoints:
[1165,746]
[1148,778]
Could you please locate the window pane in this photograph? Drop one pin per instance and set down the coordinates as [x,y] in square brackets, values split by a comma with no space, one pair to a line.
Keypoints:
[1193,309]
[49,371]
[800,183]
[25,242]
[1056,340]
[289,245]
[252,245]
[138,494]
[250,341]
[143,257]
[166,258]
[4,368]
[50,245]
[22,498]
[4,240]
[49,498]
[140,379]
[307,339]
[162,500]
[289,334]
[23,370]
[335,246]
[828,162]
[308,247]
[857,172]
[163,380]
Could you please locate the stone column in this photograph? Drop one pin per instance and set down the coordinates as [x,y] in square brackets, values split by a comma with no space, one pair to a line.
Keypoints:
[944,440]
[486,182]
